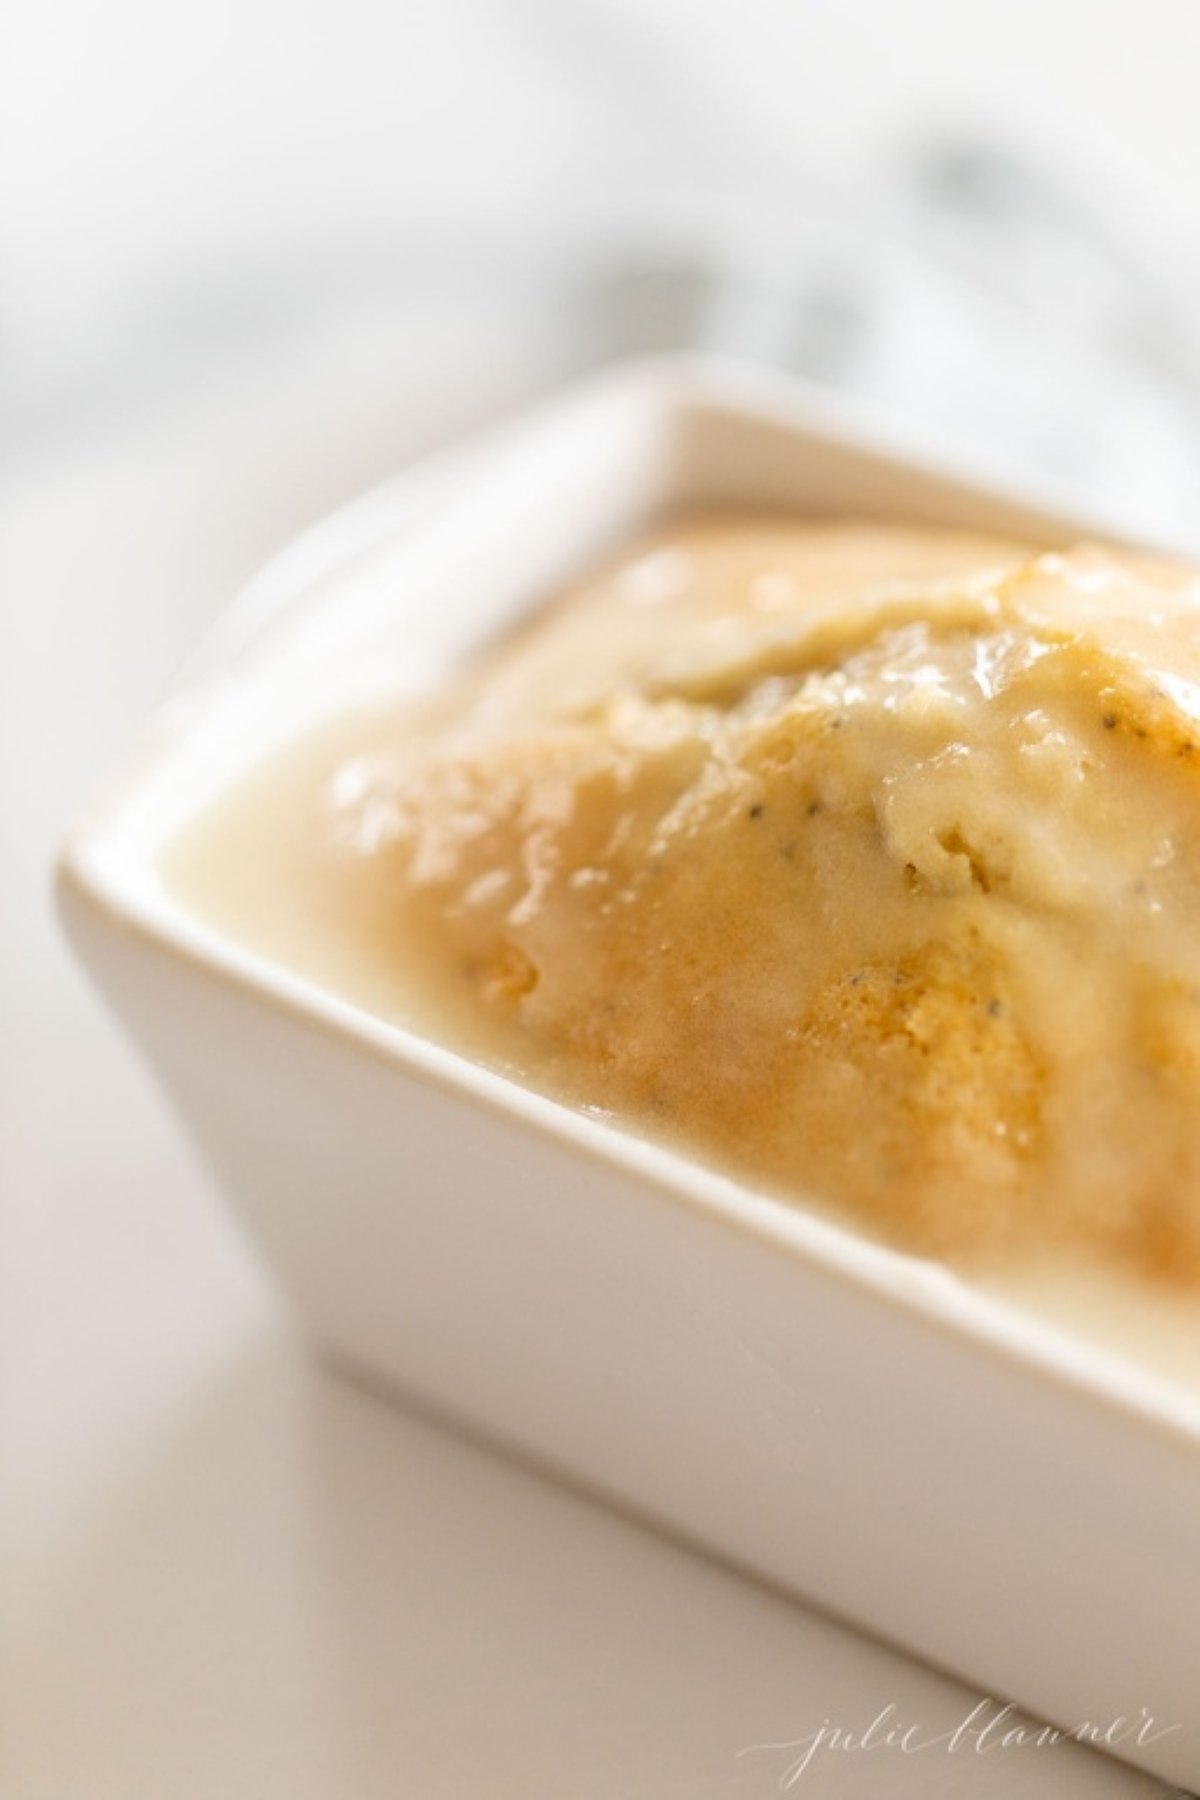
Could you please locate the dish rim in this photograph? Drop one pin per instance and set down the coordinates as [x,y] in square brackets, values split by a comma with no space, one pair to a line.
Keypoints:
[93,871]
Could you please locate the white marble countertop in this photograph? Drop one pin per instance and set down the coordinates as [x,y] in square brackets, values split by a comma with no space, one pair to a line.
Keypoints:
[223,1573]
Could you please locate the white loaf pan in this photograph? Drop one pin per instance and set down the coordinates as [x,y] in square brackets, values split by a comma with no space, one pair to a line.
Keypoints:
[857,1426]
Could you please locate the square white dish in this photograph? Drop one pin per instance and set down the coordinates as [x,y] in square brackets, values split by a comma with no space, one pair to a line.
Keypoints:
[854,1425]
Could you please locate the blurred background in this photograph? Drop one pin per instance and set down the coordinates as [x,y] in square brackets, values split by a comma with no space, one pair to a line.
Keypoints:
[982,215]
[253,258]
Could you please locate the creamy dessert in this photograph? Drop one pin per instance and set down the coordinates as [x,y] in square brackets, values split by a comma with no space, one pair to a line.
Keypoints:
[859,861]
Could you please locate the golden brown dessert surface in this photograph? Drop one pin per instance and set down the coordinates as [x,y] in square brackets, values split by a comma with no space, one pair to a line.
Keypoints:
[859,861]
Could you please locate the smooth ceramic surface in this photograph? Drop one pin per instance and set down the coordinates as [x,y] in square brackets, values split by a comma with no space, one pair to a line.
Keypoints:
[854,1425]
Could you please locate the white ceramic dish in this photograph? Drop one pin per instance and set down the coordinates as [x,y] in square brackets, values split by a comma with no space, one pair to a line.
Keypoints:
[856,1426]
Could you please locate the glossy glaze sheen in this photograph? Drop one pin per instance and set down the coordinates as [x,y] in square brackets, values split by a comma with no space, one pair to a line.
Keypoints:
[855,859]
